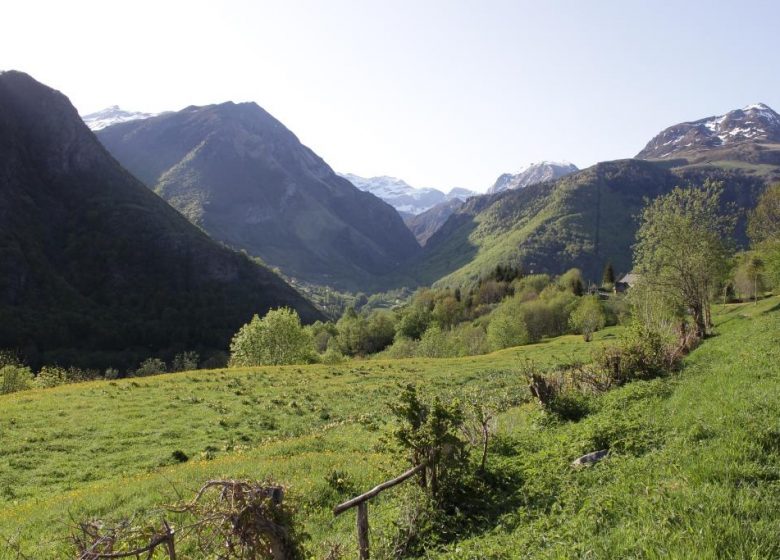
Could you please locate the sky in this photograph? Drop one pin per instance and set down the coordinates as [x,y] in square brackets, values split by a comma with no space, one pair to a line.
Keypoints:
[441,93]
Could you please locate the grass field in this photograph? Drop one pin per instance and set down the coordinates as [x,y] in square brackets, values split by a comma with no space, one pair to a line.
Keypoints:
[694,468]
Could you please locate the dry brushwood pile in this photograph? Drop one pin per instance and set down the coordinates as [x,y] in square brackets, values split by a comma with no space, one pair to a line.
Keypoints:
[226,520]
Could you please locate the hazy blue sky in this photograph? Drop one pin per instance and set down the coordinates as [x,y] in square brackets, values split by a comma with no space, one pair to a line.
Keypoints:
[440,93]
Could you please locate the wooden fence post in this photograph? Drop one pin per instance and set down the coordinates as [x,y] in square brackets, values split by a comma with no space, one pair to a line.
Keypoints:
[362,530]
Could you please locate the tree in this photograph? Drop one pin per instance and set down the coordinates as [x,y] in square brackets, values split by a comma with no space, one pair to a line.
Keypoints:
[571,280]
[429,431]
[608,278]
[588,317]
[276,339]
[447,312]
[681,250]
[748,276]
[764,232]
[506,328]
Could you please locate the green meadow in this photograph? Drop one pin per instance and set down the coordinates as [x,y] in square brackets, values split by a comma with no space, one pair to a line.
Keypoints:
[693,469]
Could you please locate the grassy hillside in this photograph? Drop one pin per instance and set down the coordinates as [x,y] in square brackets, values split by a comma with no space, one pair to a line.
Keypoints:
[693,470]
[583,220]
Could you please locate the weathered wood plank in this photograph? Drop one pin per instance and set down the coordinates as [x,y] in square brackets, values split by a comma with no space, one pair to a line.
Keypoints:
[341,508]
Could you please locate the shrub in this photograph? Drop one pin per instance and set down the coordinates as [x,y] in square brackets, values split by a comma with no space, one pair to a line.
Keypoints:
[276,339]
[436,343]
[185,361]
[332,355]
[642,353]
[470,340]
[403,347]
[150,366]
[15,378]
[51,376]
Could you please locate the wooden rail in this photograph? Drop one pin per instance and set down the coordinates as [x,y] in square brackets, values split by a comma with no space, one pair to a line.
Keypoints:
[361,502]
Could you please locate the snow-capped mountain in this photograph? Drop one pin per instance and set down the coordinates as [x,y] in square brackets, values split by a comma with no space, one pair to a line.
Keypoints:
[402,196]
[754,123]
[113,115]
[532,174]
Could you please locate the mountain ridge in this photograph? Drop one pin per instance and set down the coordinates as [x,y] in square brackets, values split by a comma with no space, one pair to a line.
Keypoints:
[111,116]
[96,270]
[241,175]
[404,197]
[751,124]
[532,174]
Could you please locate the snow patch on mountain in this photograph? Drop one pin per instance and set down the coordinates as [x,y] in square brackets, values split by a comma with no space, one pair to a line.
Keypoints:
[755,122]
[531,174]
[402,196]
[113,115]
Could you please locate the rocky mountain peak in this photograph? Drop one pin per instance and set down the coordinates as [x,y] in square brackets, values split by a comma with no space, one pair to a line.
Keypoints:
[532,174]
[753,123]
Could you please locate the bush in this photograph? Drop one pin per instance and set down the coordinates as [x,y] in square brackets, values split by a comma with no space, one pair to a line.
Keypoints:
[51,376]
[642,353]
[470,340]
[151,366]
[185,361]
[436,343]
[276,339]
[15,378]
[332,355]
[402,348]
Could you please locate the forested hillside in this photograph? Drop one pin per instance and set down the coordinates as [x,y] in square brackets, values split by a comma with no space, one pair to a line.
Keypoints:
[95,269]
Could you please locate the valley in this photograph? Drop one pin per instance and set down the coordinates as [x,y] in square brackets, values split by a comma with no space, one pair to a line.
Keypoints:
[239,331]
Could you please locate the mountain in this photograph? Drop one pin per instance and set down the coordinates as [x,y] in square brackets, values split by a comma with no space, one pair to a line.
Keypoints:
[238,173]
[756,125]
[113,115]
[403,197]
[424,225]
[532,174]
[583,220]
[97,270]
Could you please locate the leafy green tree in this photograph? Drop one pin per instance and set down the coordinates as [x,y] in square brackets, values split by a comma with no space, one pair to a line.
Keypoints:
[414,321]
[682,249]
[436,343]
[507,328]
[748,276]
[322,333]
[447,312]
[360,335]
[571,280]
[276,339]
[764,231]
[588,317]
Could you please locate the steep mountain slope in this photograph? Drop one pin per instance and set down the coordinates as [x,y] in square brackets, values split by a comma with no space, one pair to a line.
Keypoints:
[532,174]
[424,225]
[582,220]
[113,115]
[408,200]
[97,270]
[238,173]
